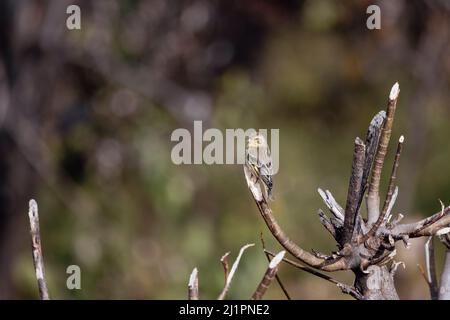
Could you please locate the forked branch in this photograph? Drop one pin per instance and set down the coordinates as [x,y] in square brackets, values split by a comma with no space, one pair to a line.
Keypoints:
[230,276]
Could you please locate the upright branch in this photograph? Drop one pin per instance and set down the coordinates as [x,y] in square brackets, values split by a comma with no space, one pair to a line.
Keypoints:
[372,138]
[230,276]
[193,285]
[38,259]
[354,191]
[268,276]
[430,263]
[225,265]
[390,193]
[444,290]
[393,177]
[373,201]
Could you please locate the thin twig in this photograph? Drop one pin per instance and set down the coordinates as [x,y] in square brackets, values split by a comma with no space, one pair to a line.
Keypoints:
[224,261]
[268,276]
[277,277]
[391,204]
[393,177]
[193,285]
[373,204]
[232,271]
[38,259]
[327,223]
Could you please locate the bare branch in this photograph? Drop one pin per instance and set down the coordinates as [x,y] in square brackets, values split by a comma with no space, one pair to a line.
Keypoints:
[372,138]
[277,277]
[391,204]
[345,288]
[193,285]
[395,266]
[327,223]
[444,290]
[373,204]
[304,256]
[426,227]
[224,261]
[38,259]
[390,193]
[393,177]
[354,191]
[232,271]
[332,205]
[430,264]
[268,276]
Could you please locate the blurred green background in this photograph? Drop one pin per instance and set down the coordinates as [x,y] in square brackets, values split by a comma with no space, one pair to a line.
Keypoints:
[86,117]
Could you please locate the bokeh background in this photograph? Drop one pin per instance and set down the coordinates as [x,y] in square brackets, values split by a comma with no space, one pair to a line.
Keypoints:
[86,118]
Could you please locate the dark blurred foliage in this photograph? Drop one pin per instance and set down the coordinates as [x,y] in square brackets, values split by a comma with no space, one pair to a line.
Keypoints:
[86,118]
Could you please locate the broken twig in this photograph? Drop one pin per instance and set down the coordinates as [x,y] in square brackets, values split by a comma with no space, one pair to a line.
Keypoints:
[36,247]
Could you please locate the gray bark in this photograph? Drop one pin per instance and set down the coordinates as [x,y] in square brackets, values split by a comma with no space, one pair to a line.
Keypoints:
[444,291]
[376,284]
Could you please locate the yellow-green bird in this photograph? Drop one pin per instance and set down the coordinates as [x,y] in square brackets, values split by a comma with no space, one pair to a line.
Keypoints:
[259,161]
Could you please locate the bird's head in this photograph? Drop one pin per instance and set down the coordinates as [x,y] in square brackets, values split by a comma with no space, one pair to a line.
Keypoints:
[257,141]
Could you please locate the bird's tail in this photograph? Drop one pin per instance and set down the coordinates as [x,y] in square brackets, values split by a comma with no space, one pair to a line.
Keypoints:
[269,194]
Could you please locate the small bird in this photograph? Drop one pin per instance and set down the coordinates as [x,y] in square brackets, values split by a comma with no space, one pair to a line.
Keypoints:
[259,161]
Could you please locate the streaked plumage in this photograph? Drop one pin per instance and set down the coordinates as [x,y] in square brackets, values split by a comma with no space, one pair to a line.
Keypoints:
[258,159]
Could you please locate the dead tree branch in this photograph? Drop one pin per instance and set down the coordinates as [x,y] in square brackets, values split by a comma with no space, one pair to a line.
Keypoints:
[344,287]
[225,265]
[354,191]
[193,285]
[372,138]
[390,194]
[373,201]
[430,263]
[268,276]
[444,290]
[336,210]
[425,227]
[277,277]
[367,248]
[233,271]
[328,223]
[38,259]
